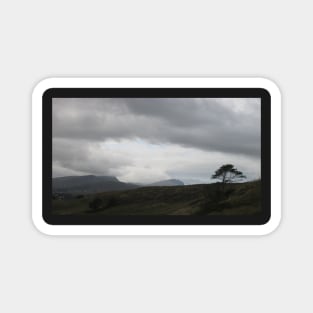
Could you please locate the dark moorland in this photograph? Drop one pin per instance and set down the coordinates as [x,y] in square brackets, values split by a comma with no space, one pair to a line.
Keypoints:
[202,199]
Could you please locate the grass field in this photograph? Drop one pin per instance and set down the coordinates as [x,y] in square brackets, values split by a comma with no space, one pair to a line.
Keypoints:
[236,199]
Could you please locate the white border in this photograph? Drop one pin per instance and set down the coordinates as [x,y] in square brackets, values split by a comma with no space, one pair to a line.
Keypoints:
[156,229]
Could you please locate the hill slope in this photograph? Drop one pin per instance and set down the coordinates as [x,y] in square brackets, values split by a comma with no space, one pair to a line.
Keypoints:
[94,184]
[174,200]
[88,184]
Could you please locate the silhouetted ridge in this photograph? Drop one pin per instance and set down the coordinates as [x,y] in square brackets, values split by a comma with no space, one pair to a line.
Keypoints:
[88,184]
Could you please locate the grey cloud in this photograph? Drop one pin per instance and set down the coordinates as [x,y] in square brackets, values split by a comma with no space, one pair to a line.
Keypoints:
[225,125]
[79,158]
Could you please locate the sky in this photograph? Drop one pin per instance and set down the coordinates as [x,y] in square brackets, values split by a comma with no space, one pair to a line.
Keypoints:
[144,140]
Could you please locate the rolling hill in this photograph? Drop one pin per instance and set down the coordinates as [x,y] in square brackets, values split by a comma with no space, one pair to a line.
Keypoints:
[93,184]
[238,199]
[88,184]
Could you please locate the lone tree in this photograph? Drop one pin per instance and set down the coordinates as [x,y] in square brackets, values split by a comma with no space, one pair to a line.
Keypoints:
[228,174]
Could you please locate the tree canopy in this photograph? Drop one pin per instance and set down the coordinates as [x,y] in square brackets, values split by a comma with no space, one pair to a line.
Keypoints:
[227,173]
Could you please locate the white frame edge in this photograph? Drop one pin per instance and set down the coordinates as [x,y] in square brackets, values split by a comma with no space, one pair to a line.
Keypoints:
[135,230]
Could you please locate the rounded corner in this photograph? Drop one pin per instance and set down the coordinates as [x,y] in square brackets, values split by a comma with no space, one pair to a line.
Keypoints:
[270,86]
[42,225]
[272,224]
[43,86]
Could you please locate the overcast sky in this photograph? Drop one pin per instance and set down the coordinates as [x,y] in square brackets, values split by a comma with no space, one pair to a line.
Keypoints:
[147,140]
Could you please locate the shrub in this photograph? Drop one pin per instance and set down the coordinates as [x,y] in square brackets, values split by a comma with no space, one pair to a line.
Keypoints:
[96,204]
[112,200]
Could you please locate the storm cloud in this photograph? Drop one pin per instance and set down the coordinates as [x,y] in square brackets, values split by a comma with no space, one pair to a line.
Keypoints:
[142,139]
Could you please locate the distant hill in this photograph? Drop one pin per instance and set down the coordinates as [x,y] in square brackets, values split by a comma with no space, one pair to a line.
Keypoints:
[88,184]
[168,182]
[94,184]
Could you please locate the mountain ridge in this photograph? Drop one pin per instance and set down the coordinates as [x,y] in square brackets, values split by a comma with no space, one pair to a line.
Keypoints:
[86,184]
[167,182]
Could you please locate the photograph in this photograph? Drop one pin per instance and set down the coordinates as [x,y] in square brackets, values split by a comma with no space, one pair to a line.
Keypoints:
[156,156]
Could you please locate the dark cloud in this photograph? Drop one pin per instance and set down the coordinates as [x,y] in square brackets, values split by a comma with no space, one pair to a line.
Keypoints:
[201,123]
[79,158]
[229,127]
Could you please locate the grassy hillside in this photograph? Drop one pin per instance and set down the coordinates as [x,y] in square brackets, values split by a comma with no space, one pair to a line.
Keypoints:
[236,199]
